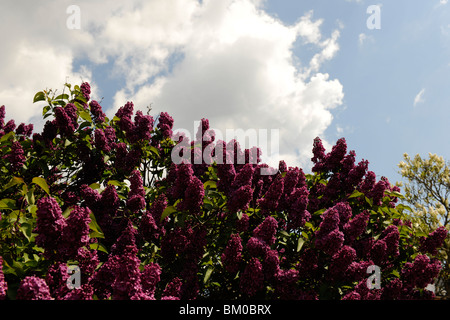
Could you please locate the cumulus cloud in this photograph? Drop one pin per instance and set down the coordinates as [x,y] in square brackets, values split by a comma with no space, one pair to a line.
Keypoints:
[228,61]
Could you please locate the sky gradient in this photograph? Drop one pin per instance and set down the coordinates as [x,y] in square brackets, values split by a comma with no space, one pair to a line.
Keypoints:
[308,68]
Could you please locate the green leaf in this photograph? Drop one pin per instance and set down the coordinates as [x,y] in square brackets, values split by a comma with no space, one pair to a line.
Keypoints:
[39,96]
[7,136]
[115,183]
[95,186]
[63,96]
[85,116]
[96,232]
[300,244]
[404,207]
[8,204]
[208,274]
[211,184]
[13,182]
[356,194]
[167,211]
[45,110]
[41,183]
[99,247]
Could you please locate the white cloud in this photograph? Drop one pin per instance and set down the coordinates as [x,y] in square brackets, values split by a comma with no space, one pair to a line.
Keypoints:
[419,97]
[233,63]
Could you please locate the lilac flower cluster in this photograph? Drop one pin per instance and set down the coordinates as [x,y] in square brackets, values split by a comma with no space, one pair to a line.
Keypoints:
[120,277]
[165,124]
[187,187]
[138,130]
[329,238]
[3,284]
[241,191]
[16,157]
[61,238]
[66,119]
[33,288]
[85,90]
[49,225]
[136,200]
[97,112]
[434,241]
[421,272]
[151,228]
[252,279]
[232,256]
[127,160]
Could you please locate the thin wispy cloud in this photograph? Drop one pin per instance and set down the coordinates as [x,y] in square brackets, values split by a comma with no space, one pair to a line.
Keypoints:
[419,97]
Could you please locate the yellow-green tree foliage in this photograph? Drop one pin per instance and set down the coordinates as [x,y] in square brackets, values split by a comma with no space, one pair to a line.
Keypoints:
[427,189]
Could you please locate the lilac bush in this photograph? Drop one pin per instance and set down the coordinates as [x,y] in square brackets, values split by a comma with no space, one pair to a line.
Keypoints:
[104,195]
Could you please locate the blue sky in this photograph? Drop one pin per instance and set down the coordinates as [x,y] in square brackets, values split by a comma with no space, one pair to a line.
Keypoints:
[308,68]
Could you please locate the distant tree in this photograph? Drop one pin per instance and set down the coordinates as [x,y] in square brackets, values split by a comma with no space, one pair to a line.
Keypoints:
[427,190]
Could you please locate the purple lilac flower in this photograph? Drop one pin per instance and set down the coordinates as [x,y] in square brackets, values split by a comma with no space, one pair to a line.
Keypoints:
[356,226]
[368,183]
[97,112]
[10,126]
[271,264]
[434,241]
[377,192]
[143,126]
[3,284]
[378,252]
[56,279]
[50,130]
[232,255]
[150,277]
[328,237]
[16,156]
[127,284]
[252,279]
[25,130]
[257,247]
[270,201]
[124,114]
[151,227]
[85,90]
[392,290]
[193,196]
[76,232]
[318,155]
[421,272]
[49,225]
[172,290]
[109,199]
[240,199]
[267,230]
[345,213]
[2,116]
[242,223]
[341,262]
[165,124]
[391,236]
[356,174]
[33,288]
[334,158]
[88,261]
[64,122]
[298,202]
